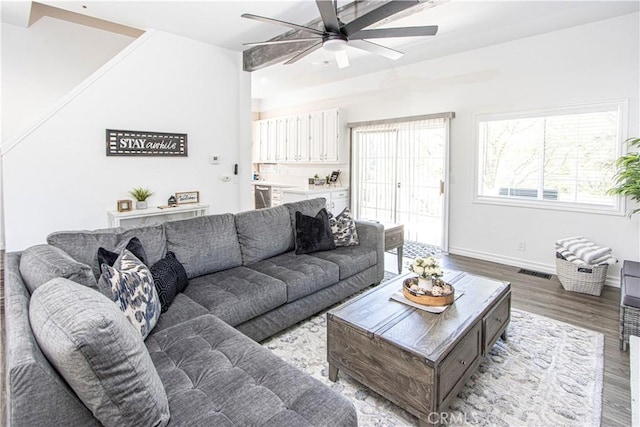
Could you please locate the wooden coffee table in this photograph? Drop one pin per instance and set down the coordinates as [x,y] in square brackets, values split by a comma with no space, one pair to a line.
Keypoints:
[416,359]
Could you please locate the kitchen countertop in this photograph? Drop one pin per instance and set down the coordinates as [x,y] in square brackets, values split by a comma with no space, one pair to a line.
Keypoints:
[274,184]
[300,189]
[306,189]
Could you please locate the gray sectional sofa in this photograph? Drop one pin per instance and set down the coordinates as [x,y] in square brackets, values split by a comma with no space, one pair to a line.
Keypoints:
[245,284]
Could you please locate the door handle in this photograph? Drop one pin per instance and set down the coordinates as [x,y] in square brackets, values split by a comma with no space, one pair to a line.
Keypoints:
[441,187]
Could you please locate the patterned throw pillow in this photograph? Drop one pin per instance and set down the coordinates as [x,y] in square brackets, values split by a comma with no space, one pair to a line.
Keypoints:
[343,228]
[131,286]
[170,278]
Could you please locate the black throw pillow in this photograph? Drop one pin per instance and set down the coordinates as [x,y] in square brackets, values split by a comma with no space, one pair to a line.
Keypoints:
[169,278]
[313,234]
[134,246]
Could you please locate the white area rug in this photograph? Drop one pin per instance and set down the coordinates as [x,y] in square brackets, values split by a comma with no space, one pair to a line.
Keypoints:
[547,373]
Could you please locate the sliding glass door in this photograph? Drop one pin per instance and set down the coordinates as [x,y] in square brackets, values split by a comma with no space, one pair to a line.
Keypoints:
[399,171]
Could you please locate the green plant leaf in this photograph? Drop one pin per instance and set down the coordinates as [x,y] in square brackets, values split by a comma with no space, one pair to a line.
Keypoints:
[140,193]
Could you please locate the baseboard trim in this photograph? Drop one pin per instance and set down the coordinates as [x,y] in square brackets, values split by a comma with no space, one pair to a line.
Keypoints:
[612,281]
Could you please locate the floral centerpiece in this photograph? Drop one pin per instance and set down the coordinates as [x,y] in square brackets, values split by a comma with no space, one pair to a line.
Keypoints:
[428,288]
[426,268]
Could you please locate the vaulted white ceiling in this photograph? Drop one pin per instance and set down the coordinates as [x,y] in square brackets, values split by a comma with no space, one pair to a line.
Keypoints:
[463,25]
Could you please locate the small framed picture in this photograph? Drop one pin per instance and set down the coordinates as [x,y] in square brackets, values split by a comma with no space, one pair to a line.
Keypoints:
[124,205]
[334,177]
[188,197]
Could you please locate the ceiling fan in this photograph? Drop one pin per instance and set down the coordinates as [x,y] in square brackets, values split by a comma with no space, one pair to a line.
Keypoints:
[338,35]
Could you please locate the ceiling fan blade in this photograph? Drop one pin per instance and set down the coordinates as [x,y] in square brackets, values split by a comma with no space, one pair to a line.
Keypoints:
[377,15]
[304,53]
[376,48]
[310,39]
[282,23]
[327,10]
[380,33]
[342,59]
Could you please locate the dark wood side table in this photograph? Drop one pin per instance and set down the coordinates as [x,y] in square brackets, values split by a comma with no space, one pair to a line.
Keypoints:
[394,238]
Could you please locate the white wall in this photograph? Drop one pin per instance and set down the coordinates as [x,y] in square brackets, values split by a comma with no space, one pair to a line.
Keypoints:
[594,62]
[44,62]
[58,177]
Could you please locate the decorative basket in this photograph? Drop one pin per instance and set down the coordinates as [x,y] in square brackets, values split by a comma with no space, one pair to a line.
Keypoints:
[426,299]
[587,279]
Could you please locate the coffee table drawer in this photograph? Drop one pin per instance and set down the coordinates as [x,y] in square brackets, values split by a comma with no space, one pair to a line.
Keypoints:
[461,359]
[495,322]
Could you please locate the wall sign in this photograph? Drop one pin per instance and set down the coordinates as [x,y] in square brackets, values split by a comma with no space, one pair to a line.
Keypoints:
[141,143]
[188,197]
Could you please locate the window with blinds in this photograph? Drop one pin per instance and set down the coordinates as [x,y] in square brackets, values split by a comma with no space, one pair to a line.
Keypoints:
[560,158]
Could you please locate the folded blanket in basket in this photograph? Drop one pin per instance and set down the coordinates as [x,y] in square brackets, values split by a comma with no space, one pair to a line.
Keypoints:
[584,249]
[564,254]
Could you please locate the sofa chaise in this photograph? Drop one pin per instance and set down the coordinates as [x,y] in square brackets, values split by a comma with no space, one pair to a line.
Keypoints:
[245,284]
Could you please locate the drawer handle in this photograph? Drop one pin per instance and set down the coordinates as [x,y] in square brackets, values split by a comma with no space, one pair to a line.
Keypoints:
[463,362]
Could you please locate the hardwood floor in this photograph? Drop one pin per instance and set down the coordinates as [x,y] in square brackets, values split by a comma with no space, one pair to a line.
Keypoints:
[548,298]
[532,294]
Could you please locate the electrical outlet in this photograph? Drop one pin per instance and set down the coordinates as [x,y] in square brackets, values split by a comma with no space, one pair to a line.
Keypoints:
[521,245]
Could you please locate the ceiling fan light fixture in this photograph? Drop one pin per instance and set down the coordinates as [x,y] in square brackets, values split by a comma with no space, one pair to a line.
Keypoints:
[334,45]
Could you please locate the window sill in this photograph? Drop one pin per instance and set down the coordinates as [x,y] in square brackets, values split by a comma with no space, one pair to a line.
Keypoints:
[550,205]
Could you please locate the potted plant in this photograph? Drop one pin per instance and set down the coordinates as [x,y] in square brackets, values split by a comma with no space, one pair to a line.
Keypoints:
[141,195]
[627,176]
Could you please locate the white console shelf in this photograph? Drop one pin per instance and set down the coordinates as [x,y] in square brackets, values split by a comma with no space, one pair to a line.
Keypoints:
[155,215]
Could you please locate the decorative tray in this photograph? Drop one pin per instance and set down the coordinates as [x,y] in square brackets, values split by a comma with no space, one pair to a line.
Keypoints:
[435,293]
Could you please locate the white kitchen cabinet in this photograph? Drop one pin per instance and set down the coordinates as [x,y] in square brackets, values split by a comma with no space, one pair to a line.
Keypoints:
[280,154]
[303,139]
[326,143]
[317,137]
[316,144]
[331,135]
[272,140]
[297,145]
[292,138]
[276,196]
[337,199]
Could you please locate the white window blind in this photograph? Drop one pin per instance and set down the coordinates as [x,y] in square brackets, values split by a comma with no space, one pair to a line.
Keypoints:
[556,158]
[397,171]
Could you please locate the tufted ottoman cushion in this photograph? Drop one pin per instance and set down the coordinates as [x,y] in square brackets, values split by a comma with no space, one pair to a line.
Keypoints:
[214,375]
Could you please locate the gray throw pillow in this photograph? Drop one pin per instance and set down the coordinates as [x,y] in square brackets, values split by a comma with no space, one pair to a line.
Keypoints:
[41,263]
[129,284]
[100,355]
[343,228]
